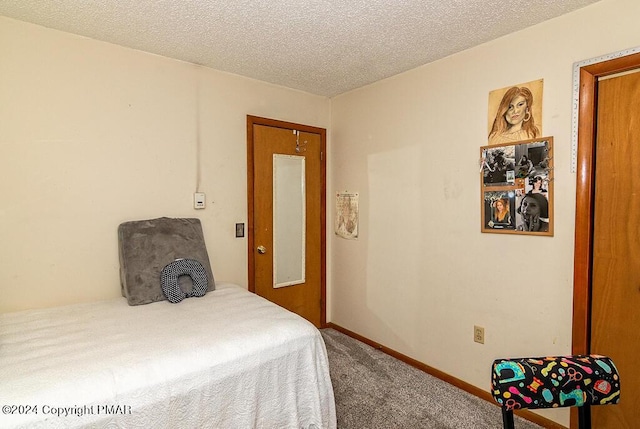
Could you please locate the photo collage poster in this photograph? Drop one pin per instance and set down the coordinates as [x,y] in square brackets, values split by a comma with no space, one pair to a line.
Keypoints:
[517,187]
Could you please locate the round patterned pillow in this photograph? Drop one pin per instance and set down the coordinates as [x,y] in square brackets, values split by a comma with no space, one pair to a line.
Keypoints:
[182,267]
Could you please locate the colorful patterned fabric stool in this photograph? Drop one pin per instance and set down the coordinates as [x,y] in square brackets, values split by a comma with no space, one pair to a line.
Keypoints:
[555,381]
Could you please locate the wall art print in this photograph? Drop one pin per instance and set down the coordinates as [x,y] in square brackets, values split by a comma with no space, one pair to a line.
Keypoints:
[347,213]
[515,113]
[517,187]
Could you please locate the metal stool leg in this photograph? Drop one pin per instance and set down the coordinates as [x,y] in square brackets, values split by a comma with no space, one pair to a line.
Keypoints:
[584,417]
[507,419]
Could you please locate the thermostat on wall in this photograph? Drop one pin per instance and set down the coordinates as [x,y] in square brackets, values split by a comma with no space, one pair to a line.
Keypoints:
[199,200]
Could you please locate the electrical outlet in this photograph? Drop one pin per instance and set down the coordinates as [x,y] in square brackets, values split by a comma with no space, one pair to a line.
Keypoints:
[478,334]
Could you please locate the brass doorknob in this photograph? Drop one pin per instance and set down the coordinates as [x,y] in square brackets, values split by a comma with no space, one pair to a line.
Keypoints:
[262,250]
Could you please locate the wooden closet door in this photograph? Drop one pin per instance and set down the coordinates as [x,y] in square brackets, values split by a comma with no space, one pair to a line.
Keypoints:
[615,312]
[267,138]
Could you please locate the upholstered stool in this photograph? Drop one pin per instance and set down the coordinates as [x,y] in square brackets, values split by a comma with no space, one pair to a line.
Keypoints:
[556,381]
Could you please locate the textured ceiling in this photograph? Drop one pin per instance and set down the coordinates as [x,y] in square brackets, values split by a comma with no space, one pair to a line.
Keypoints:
[324,47]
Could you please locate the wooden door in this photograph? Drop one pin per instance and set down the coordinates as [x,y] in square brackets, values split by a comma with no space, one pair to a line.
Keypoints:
[590,74]
[615,308]
[266,138]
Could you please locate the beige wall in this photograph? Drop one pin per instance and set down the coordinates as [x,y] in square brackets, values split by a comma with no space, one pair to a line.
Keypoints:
[421,274]
[93,134]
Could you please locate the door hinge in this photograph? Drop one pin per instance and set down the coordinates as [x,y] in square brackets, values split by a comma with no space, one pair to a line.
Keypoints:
[321,156]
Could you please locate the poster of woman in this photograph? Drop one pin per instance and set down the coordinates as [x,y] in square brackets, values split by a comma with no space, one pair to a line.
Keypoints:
[499,209]
[533,213]
[515,113]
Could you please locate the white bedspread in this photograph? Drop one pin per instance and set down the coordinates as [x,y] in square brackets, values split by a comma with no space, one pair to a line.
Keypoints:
[230,359]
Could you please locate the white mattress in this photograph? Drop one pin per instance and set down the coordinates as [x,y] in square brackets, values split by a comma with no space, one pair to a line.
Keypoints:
[230,359]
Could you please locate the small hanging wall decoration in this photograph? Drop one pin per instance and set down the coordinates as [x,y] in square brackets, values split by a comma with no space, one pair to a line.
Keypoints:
[346,222]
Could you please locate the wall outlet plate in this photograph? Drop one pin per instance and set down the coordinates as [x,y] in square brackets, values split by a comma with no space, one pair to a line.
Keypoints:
[478,334]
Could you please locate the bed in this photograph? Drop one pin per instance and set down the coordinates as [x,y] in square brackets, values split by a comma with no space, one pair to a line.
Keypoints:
[228,359]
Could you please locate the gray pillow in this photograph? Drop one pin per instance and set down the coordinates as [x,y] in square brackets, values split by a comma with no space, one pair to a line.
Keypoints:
[147,246]
[170,279]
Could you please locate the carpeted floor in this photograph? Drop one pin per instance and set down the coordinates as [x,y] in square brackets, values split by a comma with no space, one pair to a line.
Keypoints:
[376,391]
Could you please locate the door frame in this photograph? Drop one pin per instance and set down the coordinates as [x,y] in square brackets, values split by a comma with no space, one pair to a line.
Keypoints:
[256,120]
[585,197]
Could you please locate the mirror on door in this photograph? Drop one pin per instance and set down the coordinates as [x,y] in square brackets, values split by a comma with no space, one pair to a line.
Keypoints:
[289,220]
